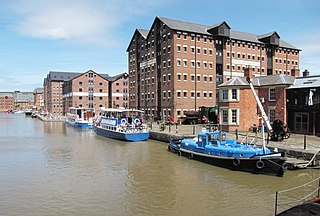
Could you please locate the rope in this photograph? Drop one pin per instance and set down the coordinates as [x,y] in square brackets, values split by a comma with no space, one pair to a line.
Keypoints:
[272,162]
[305,198]
[312,159]
[294,188]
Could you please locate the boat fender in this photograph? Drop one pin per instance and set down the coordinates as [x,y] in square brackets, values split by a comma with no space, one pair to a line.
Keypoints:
[236,161]
[260,164]
[137,121]
[284,167]
[190,156]
[179,153]
[123,122]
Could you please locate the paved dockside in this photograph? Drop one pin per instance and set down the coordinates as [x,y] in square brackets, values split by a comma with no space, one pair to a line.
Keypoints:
[298,146]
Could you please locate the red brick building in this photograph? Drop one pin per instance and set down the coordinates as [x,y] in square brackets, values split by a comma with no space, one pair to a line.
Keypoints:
[88,90]
[238,108]
[175,65]
[120,91]
[53,91]
[6,103]
[38,99]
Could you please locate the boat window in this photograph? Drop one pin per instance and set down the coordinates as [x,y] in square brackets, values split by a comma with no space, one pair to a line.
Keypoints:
[212,137]
[204,139]
[222,137]
[214,142]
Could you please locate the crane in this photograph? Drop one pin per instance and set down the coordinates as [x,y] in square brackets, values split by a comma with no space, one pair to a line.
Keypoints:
[263,113]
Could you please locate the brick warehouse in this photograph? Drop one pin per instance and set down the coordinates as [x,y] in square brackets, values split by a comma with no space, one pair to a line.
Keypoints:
[90,89]
[176,66]
[93,91]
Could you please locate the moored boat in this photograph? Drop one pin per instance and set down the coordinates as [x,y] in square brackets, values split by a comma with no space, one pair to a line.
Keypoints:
[28,112]
[121,124]
[216,149]
[80,117]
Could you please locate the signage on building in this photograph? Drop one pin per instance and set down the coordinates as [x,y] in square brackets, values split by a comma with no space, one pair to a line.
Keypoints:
[245,63]
[146,63]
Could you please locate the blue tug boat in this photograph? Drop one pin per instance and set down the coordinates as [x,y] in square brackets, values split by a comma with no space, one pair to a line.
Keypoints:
[216,149]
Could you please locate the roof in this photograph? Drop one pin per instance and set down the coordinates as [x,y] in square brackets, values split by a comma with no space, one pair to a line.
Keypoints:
[218,24]
[66,76]
[38,90]
[236,35]
[270,80]
[267,35]
[116,77]
[143,32]
[61,76]
[306,82]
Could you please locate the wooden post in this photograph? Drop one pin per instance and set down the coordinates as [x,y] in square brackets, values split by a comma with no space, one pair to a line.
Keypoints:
[237,134]
[255,139]
[246,137]
[319,188]
[276,204]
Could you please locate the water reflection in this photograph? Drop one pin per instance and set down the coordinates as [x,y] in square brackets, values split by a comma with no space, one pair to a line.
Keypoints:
[53,169]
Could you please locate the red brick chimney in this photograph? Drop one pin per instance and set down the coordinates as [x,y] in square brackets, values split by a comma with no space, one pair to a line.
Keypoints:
[295,72]
[248,72]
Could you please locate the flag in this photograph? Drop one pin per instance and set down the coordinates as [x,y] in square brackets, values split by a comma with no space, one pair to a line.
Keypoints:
[310,101]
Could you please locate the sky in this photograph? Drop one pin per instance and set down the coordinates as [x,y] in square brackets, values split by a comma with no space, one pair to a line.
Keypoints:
[39,36]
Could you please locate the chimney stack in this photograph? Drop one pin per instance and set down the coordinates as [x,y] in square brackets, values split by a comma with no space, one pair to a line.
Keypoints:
[305,73]
[248,72]
[295,72]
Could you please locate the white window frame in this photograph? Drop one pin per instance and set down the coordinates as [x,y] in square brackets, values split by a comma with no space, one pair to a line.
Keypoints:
[272,93]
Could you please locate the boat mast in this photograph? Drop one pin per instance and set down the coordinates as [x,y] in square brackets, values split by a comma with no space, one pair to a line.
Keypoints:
[265,118]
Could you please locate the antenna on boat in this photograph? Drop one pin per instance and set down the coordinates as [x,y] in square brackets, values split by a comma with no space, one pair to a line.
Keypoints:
[264,117]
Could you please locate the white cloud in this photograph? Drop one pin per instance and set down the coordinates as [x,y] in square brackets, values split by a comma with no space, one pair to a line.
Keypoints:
[76,21]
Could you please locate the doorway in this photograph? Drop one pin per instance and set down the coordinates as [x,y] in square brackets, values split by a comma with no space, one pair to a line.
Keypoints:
[301,122]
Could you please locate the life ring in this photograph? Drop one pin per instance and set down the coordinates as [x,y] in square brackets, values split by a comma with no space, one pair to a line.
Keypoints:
[137,121]
[123,121]
[284,167]
[236,161]
[260,164]
[190,156]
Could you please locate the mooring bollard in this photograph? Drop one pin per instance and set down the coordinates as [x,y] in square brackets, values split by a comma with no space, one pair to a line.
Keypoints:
[169,127]
[193,130]
[305,142]
[237,135]
[177,130]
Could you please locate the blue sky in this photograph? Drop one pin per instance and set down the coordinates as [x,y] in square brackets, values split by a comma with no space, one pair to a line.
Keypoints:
[38,36]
